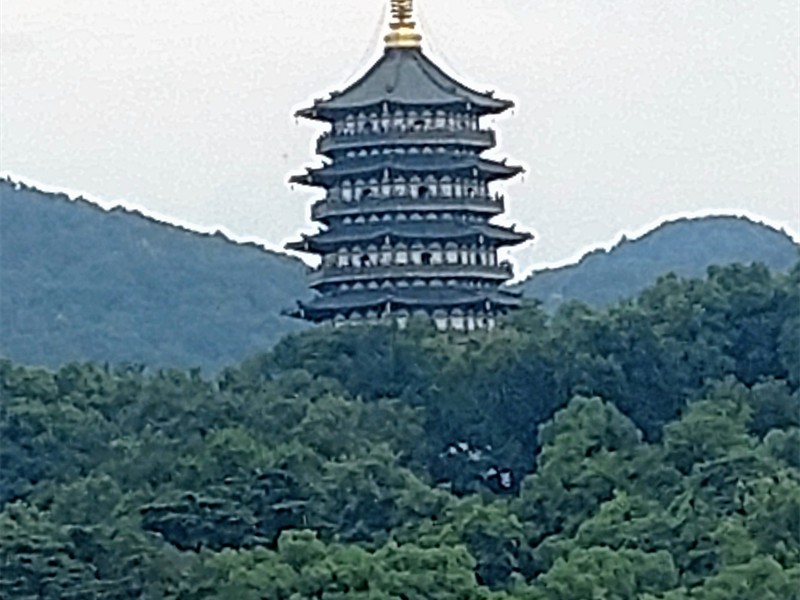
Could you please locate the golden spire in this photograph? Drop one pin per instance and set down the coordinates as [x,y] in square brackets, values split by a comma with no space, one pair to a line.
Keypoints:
[403,34]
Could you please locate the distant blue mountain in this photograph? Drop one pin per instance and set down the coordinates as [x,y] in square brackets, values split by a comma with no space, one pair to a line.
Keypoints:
[81,283]
[686,247]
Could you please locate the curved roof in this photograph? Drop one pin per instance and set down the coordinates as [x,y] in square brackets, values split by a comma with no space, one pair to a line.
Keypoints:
[422,297]
[405,76]
[419,163]
[409,230]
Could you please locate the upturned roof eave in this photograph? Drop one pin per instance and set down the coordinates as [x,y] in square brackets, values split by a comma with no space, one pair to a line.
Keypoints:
[325,110]
[323,306]
[326,240]
[331,173]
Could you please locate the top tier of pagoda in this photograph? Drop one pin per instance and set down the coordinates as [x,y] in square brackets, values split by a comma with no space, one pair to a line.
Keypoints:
[406,214]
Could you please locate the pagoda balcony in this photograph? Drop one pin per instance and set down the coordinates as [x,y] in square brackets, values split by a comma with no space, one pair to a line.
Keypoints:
[329,207]
[333,275]
[478,138]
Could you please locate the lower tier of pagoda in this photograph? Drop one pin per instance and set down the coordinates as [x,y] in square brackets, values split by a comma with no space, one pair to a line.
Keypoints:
[456,308]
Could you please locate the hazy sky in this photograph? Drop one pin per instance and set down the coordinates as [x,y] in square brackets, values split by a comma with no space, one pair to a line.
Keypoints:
[629,111]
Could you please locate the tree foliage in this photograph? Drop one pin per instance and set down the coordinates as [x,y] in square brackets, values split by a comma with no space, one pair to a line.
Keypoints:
[648,451]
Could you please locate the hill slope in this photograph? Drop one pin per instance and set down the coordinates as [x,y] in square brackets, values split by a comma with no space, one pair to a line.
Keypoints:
[686,247]
[82,283]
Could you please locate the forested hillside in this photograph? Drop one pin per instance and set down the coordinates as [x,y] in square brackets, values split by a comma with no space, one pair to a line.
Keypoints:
[686,247]
[80,283]
[647,451]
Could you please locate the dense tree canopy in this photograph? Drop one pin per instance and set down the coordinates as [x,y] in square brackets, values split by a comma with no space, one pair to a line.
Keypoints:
[648,451]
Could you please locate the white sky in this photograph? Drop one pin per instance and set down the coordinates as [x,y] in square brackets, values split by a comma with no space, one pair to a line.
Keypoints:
[629,111]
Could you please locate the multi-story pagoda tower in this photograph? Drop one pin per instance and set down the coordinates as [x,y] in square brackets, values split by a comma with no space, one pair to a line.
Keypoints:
[406,217]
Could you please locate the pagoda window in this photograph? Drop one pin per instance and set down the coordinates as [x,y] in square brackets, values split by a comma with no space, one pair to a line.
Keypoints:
[360,220]
[402,321]
[374,218]
[373,285]
[415,217]
[464,256]
[401,255]
[432,216]
[362,153]
[349,125]
[423,192]
[427,150]
[372,252]
[386,256]
[436,283]
[386,121]
[401,217]
[400,151]
[418,283]
[441,119]
[343,258]
[347,221]
[419,125]
[446,187]
[470,319]
[387,218]
[417,251]
[427,117]
[398,120]
[347,191]
[451,254]
[430,182]
[387,285]
[412,117]
[402,283]
[426,258]
[366,194]
[413,150]
[386,188]
[357,287]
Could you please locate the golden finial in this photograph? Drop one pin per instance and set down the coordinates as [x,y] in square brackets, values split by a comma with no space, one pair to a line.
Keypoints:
[403,34]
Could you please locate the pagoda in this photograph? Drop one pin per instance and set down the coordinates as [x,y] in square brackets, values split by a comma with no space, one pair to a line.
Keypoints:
[406,217]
